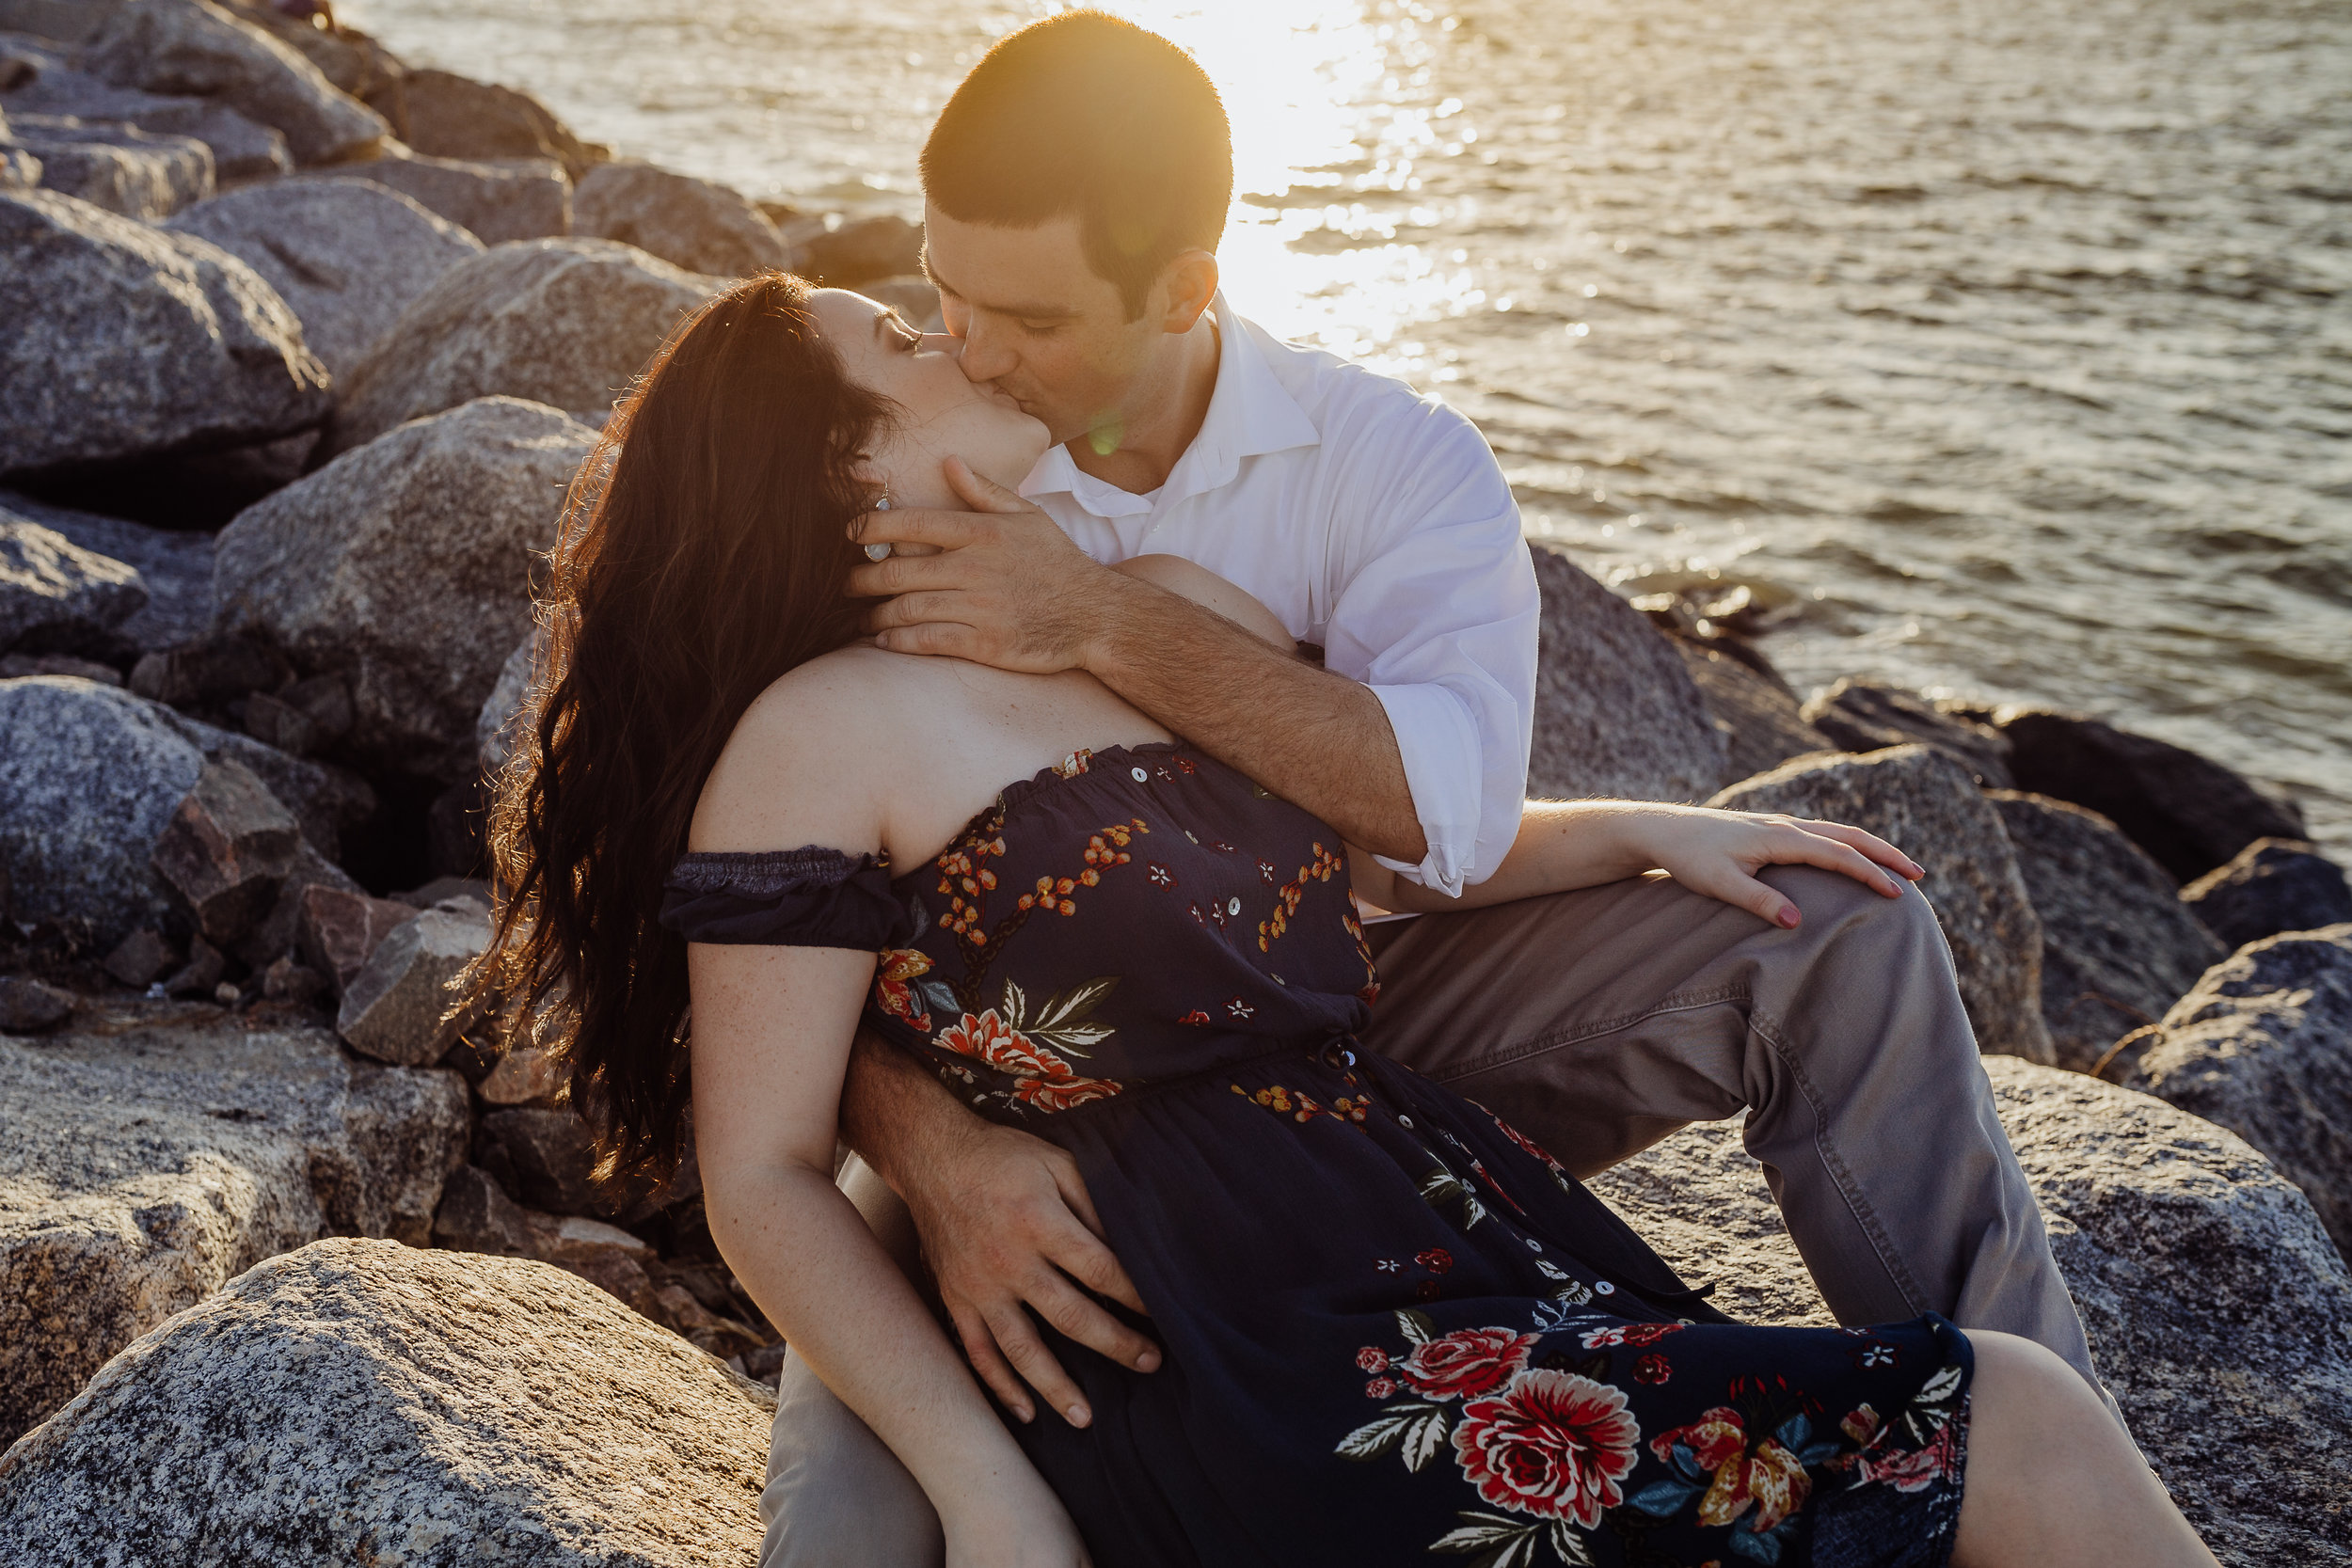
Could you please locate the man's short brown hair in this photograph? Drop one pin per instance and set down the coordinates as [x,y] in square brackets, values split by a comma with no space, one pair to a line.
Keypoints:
[1086,115]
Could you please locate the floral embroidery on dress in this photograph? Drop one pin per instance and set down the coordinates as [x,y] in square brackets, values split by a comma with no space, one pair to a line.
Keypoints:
[1303,1108]
[1326,865]
[1548,1445]
[1551,1446]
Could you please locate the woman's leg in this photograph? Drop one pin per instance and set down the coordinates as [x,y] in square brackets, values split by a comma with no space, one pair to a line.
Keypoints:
[2051,1480]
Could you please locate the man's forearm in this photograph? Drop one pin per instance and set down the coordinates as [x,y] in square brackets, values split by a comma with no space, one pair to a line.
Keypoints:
[1319,740]
[891,1108]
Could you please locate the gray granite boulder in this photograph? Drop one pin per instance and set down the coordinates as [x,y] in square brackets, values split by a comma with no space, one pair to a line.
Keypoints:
[455,117]
[2272,886]
[861,251]
[175,568]
[1926,805]
[696,223]
[362,1402]
[53,591]
[124,340]
[157,1151]
[518,199]
[494,730]
[399,1006]
[19,170]
[187,47]
[2118,945]
[567,323]
[2219,1315]
[1616,714]
[404,566]
[1760,720]
[2263,1046]
[1870,715]
[2187,810]
[240,148]
[347,255]
[137,173]
[90,776]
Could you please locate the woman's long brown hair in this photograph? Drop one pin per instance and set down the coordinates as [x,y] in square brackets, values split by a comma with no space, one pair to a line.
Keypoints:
[704,553]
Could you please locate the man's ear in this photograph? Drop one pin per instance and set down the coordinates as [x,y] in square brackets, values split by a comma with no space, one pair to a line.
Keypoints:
[1190,283]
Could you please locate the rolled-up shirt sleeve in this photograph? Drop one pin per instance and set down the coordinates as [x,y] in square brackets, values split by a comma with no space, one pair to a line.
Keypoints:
[1439,619]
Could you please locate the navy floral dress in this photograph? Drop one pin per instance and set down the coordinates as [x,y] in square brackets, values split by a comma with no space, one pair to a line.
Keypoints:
[1394,1328]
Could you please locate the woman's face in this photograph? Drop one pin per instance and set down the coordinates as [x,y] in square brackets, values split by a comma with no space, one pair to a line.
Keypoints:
[940,413]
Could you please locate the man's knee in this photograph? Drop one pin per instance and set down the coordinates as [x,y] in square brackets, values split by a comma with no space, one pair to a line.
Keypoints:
[836,1497]
[1838,909]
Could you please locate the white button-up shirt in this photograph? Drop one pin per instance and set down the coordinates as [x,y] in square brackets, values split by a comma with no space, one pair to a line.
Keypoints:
[1375,522]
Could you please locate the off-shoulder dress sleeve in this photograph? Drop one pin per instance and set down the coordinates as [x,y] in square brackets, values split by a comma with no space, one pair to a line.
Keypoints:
[812,897]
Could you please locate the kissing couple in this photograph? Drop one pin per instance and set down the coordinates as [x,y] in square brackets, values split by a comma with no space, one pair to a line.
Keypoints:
[1078,761]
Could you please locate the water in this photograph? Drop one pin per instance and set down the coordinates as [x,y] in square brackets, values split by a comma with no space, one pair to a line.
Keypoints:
[2010,337]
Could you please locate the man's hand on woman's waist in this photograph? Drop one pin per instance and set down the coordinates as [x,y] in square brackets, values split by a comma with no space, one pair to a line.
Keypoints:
[1006,1227]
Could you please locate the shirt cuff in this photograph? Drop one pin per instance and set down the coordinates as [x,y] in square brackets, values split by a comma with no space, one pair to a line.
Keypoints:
[1443,769]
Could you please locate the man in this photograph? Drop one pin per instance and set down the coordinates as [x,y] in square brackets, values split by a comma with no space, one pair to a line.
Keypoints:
[1077,185]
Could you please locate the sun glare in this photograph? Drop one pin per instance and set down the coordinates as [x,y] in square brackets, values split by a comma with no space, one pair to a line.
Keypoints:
[1327,127]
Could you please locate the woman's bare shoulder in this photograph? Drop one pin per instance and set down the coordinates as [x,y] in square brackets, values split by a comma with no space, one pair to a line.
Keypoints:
[817,754]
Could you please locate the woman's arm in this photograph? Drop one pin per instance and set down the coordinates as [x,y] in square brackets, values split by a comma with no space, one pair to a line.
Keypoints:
[1571,843]
[771,1029]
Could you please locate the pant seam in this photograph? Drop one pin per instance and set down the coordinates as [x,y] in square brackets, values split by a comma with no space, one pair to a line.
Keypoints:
[1681,1002]
[1766,1029]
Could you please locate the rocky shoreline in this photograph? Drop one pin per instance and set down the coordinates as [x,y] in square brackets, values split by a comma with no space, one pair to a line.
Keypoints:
[304,347]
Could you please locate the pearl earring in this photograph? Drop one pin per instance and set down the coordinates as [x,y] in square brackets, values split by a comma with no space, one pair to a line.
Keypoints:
[880,551]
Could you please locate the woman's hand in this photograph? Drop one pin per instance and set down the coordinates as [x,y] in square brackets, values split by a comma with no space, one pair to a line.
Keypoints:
[1718,853]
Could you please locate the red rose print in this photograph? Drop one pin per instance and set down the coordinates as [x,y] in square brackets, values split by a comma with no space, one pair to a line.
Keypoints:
[1437,1259]
[1551,1444]
[1426,1290]
[1371,1358]
[1467,1362]
[1379,1388]
[1196,1018]
[1652,1368]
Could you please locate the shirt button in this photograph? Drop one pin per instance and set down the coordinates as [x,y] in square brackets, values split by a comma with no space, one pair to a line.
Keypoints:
[1602,1286]
[1233,906]
[1139,775]
[1404,1121]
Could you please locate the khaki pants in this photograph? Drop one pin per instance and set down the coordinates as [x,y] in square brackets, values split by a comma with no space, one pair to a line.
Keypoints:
[1597,1022]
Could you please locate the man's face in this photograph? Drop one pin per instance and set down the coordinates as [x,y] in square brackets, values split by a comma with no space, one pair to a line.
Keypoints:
[1039,322]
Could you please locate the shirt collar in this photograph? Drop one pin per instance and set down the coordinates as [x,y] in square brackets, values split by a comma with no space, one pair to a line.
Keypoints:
[1250,412]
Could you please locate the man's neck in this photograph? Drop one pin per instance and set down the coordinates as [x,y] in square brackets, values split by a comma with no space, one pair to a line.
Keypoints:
[1148,450]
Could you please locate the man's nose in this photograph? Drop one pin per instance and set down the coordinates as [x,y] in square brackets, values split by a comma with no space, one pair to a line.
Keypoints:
[986,356]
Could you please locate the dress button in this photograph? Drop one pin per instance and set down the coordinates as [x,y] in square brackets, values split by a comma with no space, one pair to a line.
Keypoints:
[1139,775]
[1233,906]
[1404,1121]
[1602,1288]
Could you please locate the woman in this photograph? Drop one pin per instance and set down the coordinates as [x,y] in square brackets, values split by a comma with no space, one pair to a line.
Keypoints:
[1392,1327]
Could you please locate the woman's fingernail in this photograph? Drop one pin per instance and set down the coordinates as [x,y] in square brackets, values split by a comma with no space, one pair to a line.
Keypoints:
[1079,1415]
[1026,1414]
[1913,866]
[1788,917]
[1148,1362]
